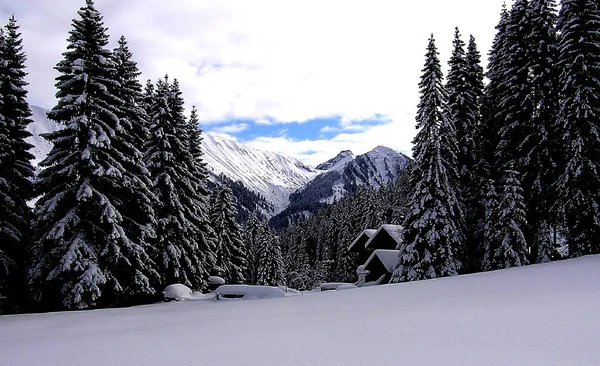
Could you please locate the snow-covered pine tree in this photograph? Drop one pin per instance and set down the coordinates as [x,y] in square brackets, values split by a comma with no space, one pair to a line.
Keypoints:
[493,92]
[83,255]
[270,268]
[505,244]
[230,248]
[433,228]
[206,235]
[579,117]
[137,202]
[253,234]
[474,192]
[16,170]
[181,258]
[463,102]
[148,102]
[540,146]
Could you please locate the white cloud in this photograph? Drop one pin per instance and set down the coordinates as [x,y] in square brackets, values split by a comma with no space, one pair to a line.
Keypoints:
[396,133]
[234,128]
[273,61]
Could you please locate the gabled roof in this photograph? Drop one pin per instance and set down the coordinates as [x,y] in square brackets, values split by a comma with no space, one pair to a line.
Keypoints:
[394,231]
[361,239]
[389,259]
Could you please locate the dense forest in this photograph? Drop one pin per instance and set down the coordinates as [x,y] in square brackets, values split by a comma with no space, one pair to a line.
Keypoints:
[123,205]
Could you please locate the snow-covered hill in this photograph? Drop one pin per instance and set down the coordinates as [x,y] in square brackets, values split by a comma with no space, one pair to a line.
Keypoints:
[544,314]
[269,174]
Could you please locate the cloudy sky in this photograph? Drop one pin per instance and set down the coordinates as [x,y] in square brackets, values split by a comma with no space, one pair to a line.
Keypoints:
[304,78]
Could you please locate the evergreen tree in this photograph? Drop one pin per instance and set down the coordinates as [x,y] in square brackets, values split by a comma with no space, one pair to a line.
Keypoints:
[16,171]
[505,244]
[253,234]
[137,204]
[540,147]
[493,92]
[433,235]
[474,184]
[83,255]
[184,255]
[463,98]
[579,181]
[270,261]
[230,249]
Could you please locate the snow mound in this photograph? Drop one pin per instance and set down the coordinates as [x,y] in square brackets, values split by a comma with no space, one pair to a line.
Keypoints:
[346,286]
[177,292]
[248,292]
[330,286]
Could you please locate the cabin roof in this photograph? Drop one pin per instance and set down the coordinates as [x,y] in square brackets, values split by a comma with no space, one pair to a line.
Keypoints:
[394,231]
[387,257]
[361,239]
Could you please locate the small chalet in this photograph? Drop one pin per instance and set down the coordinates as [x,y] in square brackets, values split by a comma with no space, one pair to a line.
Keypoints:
[379,267]
[377,250]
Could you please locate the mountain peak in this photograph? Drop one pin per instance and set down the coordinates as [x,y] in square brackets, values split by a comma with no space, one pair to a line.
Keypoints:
[340,160]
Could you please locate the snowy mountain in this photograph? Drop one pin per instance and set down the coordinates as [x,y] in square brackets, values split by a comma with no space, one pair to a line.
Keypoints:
[41,124]
[337,163]
[268,174]
[343,176]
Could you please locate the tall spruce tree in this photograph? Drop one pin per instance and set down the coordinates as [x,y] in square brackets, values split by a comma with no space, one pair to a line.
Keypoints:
[270,261]
[253,234]
[83,254]
[493,92]
[463,99]
[16,171]
[474,190]
[433,236]
[579,117]
[230,248]
[540,145]
[183,256]
[505,244]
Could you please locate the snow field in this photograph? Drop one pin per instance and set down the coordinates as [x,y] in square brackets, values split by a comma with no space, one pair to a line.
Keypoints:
[536,315]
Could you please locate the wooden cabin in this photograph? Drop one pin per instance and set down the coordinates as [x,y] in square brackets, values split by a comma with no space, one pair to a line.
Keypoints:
[380,266]
[377,249]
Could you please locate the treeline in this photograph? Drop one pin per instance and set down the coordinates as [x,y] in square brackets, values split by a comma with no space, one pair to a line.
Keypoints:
[501,169]
[123,204]
[315,249]
[503,172]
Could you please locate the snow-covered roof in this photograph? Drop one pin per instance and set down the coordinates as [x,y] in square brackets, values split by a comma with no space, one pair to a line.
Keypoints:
[389,258]
[395,231]
[364,235]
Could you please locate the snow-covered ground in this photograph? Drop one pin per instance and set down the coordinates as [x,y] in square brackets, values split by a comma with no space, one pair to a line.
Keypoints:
[536,315]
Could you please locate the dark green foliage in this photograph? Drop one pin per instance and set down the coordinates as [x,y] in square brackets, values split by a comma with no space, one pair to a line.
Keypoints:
[505,244]
[16,171]
[230,250]
[541,147]
[270,261]
[434,228]
[579,117]
[185,253]
[83,254]
[315,248]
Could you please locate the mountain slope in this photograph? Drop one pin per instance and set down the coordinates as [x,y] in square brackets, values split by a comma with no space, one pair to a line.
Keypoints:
[372,169]
[267,174]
